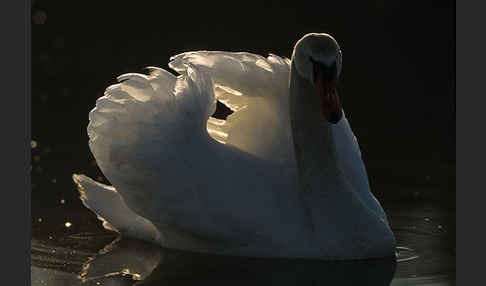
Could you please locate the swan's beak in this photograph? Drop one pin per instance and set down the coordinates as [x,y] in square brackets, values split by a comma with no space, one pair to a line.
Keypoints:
[326,88]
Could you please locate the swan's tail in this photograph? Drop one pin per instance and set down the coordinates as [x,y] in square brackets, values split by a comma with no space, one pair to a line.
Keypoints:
[111,209]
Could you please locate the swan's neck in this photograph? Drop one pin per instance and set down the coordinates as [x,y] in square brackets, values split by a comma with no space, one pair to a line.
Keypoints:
[314,145]
[325,196]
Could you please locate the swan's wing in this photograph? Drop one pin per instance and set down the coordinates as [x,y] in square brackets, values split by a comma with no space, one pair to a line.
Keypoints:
[149,128]
[111,209]
[256,89]
[148,135]
[143,111]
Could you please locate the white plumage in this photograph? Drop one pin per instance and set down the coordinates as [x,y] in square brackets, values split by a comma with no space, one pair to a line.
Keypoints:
[193,182]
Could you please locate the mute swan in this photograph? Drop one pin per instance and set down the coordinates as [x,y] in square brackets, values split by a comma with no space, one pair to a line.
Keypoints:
[186,180]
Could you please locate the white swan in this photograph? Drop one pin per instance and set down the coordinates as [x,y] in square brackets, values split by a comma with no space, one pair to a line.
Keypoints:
[188,181]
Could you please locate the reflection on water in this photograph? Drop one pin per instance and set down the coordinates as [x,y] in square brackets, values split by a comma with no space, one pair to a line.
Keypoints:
[139,263]
[134,262]
[406,254]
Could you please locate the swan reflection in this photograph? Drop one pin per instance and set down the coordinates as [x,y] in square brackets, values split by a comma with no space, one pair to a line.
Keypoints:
[135,262]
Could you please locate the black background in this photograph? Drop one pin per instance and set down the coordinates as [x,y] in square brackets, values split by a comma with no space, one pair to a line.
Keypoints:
[398,79]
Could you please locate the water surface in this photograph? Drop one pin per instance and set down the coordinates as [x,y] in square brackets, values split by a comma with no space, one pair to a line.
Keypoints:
[425,257]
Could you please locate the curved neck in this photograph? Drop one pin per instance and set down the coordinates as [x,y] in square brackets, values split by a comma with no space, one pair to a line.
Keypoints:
[314,146]
[325,197]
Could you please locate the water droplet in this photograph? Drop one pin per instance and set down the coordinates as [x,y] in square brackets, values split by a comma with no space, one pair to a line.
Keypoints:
[439,226]
[68,224]
[62,201]
[39,220]
[50,237]
[33,144]
[427,219]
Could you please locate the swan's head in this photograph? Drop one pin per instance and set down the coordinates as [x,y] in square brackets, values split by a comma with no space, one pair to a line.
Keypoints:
[318,59]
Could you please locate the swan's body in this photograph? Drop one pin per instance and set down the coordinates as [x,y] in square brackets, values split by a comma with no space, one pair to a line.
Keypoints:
[233,187]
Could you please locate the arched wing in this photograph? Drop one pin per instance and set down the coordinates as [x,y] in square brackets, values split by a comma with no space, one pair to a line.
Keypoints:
[256,89]
[152,125]
[149,136]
